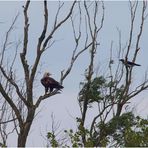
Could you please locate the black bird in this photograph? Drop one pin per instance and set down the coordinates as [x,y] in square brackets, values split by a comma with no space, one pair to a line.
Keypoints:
[50,83]
[129,63]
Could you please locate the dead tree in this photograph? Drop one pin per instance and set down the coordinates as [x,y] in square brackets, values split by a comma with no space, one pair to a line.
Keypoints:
[21,99]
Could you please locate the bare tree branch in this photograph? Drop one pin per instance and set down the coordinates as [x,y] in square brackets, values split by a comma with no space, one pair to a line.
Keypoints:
[73,59]
[11,103]
[4,122]
[25,46]
[58,11]
[58,25]
[14,84]
[45,97]
[7,38]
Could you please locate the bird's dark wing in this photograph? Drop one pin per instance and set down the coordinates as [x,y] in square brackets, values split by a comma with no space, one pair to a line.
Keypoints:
[133,64]
[45,84]
[54,84]
[46,81]
[43,81]
[52,81]
[49,82]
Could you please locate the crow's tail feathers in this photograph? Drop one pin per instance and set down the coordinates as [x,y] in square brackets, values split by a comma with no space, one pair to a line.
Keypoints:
[137,64]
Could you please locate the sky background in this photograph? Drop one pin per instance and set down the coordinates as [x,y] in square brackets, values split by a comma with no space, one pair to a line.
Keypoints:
[57,58]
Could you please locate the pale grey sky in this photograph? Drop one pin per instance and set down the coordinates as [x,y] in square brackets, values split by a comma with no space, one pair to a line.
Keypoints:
[64,106]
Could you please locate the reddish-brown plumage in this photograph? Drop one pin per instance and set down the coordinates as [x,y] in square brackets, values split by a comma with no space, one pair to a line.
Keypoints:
[50,83]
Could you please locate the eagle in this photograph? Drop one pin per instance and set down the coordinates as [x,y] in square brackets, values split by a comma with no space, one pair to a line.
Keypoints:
[129,63]
[50,83]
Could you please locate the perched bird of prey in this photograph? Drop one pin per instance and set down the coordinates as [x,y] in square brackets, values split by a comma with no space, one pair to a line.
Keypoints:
[128,63]
[50,83]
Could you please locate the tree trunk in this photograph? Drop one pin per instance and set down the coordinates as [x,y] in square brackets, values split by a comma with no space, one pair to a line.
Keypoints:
[119,109]
[22,137]
[25,128]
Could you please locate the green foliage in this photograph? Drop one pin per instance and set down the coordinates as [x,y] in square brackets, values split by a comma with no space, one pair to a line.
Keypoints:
[98,90]
[75,138]
[93,92]
[125,130]
[2,145]
[128,130]
[52,138]
[139,135]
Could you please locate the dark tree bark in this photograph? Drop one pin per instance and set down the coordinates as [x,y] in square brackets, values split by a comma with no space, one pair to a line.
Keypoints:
[25,128]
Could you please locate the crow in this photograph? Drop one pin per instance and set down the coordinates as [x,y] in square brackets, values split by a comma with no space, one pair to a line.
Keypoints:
[129,63]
